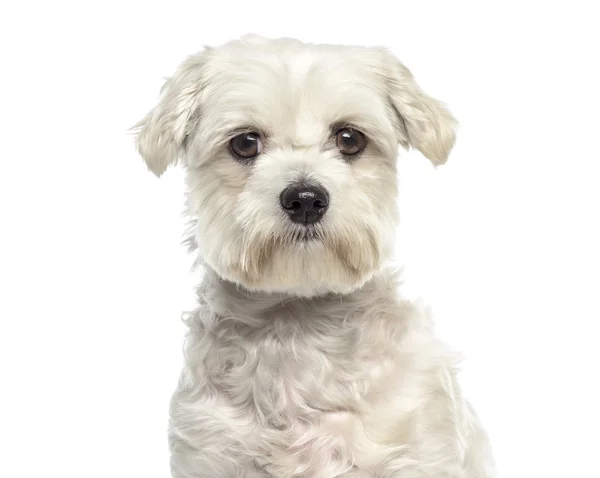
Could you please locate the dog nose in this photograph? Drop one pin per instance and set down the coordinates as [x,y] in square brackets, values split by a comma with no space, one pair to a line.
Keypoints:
[304,204]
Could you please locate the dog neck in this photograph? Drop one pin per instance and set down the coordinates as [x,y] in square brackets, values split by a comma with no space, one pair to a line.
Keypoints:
[228,299]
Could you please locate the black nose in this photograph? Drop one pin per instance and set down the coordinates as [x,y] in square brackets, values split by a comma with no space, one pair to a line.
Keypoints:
[305,204]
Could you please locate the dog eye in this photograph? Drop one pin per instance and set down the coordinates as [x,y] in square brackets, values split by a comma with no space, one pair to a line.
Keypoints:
[350,142]
[246,146]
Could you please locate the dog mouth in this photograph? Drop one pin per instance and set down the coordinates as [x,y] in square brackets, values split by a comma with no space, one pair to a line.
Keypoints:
[305,233]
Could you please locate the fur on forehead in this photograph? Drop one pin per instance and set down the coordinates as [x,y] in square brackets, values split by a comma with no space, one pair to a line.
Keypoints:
[294,97]
[297,91]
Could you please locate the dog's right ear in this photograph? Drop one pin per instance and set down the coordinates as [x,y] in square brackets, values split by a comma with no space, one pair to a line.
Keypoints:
[161,135]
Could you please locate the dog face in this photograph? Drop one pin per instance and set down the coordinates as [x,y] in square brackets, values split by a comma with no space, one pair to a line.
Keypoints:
[290,153]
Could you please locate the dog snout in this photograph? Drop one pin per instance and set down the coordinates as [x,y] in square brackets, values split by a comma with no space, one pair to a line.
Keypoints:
[305,203]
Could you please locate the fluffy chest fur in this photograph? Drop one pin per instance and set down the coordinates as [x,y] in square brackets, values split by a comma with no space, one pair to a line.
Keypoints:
[308,388]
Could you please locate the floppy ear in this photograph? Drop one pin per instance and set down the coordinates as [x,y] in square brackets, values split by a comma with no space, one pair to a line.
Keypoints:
[161,135]
[423,122]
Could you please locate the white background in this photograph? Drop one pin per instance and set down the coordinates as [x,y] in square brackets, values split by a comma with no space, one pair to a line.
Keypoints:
[502,241]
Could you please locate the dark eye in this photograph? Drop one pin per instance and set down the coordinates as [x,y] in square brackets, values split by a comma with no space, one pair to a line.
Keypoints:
[350,142]
[246,146]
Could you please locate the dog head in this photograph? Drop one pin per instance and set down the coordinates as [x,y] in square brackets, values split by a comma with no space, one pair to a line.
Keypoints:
[290,155]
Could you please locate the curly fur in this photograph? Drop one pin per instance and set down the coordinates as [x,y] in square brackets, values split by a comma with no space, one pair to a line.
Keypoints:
[301,359]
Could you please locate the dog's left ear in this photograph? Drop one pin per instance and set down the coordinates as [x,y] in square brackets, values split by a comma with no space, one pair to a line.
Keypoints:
[161,135]
[422,122]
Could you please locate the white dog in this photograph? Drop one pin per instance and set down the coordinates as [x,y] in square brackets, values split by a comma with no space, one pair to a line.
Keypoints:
[301,359]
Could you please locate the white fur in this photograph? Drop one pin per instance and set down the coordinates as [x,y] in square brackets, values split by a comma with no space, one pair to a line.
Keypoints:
[301,358]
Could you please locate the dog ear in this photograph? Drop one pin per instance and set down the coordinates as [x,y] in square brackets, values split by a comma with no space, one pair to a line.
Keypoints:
[161,135]
[423,122]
